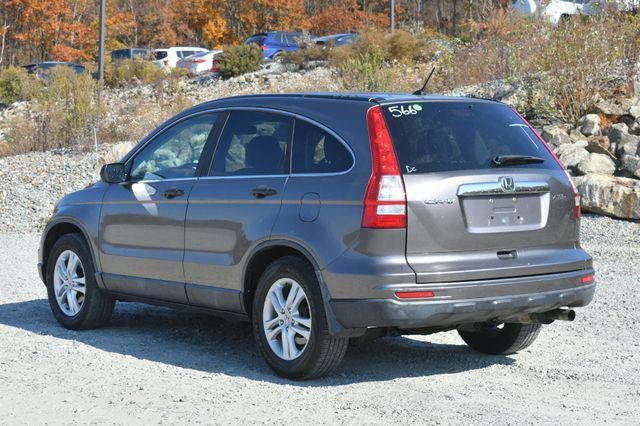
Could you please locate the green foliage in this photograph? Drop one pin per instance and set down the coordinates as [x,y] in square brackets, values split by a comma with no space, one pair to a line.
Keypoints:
[565,66]
[238,60]
[16,85]
[133,71]
[366,72]
[301,58]
[66,111]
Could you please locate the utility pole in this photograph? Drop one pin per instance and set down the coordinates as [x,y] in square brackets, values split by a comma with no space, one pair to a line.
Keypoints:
[393,15]
[101,42]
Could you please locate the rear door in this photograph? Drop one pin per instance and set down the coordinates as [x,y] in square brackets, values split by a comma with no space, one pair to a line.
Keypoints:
[235,207]
[467,218]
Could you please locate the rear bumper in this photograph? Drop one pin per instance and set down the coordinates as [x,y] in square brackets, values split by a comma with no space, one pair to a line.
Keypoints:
[501,299]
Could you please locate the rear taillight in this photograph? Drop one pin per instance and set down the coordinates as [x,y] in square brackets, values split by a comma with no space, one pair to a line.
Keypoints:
[385,202]
[197,61]
[576,195]
[214,66]
[165,63]
[586,279]
[263,47]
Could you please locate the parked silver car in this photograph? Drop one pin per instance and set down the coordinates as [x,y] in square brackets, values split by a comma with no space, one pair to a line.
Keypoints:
[325,217]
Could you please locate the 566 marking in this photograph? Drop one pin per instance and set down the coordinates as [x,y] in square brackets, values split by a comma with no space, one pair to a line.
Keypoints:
[400,110]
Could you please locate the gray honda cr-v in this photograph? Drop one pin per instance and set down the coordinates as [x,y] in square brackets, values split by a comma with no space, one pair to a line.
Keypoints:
[325,217]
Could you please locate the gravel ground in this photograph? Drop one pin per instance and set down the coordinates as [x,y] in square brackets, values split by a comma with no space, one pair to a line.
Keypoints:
[157,365]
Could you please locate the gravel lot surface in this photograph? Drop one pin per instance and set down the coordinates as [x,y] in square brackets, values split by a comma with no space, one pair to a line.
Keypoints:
[157,365]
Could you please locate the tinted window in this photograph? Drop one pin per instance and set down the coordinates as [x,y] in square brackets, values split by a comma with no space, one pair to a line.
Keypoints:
[445,136]
[257,39]
[119,54]
[160,55]
[175,152]
[139,52]
[253,143]
[316,151]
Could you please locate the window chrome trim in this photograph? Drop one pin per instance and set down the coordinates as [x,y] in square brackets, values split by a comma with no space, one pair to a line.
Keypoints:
[494,188]
[297,117]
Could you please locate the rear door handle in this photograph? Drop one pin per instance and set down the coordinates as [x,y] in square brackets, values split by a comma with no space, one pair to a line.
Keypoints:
[173,192]
[263,191]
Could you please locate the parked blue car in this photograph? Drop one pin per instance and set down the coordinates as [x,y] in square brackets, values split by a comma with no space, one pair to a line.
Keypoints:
[338,39]
[274,43]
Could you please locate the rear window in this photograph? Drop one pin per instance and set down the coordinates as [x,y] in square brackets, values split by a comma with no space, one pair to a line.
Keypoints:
[160,54]
[449,136]
[257,39]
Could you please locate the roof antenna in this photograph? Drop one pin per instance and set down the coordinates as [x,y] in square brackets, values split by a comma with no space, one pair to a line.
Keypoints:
[420,92]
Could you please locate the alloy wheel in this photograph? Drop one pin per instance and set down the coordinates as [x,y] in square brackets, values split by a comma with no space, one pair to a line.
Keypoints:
[287,319]
[69,283]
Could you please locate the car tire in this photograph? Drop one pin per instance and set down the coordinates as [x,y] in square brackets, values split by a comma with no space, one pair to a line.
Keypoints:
[313,356]
[75,299]
[505,340]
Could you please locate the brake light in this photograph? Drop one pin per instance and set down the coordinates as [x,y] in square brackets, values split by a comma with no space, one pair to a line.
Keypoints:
[587,279]
[263,47]
[576,195]
[385,202]
[214,66]
[414,294]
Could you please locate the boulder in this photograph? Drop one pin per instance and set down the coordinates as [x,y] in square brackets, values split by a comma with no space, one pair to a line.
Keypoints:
[621,141]
[599,145]
[614,107]
[597,163]
[571,154]
[629,145]
[609,195]
[631,165]
[589,125]
[575,135]
[634,111]
[555,135]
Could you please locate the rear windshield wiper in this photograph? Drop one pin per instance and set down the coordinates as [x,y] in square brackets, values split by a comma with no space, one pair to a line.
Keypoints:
[510,160]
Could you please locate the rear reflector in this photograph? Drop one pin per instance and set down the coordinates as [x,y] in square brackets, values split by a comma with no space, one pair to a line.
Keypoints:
[576,195]
[385,202]
[587,279]
[414,294]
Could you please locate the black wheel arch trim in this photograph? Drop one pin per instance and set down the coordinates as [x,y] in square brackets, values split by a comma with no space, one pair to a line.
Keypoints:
[335,328]
[71,221]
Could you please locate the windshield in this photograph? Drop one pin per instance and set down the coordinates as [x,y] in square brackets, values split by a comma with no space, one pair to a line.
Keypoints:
[442,136]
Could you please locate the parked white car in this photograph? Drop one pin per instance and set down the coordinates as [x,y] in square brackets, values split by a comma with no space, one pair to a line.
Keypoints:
[200,62]
[168,58]
[557,10]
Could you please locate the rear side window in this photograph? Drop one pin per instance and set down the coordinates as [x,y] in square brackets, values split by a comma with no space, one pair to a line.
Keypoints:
[253,143]
[449,136]
[160,55]
[316,151]
[257,39]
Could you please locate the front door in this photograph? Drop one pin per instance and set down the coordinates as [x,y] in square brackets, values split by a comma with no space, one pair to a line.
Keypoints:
[236,206]
[142,220]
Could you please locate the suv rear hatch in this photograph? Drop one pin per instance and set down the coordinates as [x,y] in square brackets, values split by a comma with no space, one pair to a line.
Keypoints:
[485,196]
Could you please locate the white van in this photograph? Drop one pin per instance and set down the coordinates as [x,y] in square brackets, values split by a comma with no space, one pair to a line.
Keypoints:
[168,58]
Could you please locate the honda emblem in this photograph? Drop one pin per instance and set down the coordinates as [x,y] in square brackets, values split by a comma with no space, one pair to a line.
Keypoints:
[506,183]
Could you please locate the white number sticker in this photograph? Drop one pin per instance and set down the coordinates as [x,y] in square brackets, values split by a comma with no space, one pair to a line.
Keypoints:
[400,110]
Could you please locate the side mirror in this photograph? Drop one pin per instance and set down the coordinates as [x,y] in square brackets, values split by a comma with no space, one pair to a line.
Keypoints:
[113,173]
